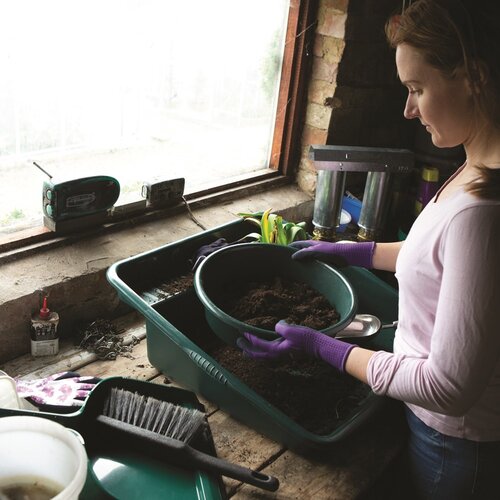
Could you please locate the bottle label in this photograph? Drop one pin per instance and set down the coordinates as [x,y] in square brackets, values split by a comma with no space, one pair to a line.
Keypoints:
[44,336]
[43,330]
[44,347]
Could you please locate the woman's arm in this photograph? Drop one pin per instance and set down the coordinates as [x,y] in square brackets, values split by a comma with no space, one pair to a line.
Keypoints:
[465,344]
[357,363]
[384,259]
[385,256]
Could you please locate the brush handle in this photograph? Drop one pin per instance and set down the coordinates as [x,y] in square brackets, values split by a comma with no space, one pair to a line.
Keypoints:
[182,454]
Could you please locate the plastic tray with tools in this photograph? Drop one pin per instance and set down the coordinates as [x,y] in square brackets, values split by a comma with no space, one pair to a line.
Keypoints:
[174,321]
[120,467]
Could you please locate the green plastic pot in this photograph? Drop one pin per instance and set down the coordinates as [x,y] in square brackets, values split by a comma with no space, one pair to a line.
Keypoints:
[259,261]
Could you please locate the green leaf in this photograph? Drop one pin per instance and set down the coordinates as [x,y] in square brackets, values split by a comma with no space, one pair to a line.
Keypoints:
[255,236]
[282,232]
[245,215]
[296,233]
[255,222]
[273,229]
[266,228]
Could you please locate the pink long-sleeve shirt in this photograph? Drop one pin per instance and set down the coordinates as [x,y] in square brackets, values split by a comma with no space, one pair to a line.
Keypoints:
[446,360]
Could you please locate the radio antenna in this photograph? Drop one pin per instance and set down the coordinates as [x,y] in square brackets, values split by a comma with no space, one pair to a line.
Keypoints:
[43,170]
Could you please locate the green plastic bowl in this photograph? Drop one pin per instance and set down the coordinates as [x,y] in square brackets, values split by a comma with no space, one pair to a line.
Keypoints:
[256,261]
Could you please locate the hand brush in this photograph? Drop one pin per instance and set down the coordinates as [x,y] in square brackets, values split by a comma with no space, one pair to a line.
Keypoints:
[164,430]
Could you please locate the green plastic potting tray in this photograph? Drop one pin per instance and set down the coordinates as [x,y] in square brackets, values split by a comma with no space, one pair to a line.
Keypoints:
[175,321]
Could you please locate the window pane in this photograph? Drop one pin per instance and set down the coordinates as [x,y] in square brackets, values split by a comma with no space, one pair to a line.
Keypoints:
[136,89]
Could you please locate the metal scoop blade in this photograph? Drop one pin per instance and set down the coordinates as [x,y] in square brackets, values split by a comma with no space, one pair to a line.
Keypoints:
[362,326]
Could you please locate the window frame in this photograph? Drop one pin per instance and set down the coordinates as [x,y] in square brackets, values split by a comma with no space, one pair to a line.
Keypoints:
[285,147]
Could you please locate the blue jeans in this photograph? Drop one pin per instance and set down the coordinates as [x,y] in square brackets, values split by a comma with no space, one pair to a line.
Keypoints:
[449,468]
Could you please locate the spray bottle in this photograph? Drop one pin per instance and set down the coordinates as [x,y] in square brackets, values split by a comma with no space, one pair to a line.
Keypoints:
[428,187]
[44,336]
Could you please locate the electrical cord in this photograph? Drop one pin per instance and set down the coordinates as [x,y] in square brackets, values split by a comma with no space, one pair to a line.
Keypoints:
[193,218]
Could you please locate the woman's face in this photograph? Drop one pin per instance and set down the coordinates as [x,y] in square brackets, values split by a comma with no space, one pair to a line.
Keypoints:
[443,106]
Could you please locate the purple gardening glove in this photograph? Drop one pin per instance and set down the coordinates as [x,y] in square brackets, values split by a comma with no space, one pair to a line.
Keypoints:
[339,254]
[296,338]
[61,389]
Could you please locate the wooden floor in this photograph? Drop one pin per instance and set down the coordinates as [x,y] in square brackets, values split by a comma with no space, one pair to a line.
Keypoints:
[350,471]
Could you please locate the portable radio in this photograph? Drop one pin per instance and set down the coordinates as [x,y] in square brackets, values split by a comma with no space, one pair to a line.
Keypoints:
[79,197]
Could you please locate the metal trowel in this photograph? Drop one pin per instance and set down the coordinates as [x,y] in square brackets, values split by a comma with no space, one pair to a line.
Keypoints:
[363,326]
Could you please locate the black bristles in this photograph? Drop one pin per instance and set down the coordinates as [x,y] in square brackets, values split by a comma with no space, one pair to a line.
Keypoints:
[161,417]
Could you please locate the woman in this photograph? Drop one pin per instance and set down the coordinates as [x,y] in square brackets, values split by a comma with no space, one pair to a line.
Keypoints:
[446,360]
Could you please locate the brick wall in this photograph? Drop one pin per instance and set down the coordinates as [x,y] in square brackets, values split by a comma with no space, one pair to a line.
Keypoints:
[354,96]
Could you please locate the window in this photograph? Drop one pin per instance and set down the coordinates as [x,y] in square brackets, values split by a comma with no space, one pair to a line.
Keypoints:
[135,89]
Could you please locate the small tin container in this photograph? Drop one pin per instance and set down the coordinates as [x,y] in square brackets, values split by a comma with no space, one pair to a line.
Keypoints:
[44,336]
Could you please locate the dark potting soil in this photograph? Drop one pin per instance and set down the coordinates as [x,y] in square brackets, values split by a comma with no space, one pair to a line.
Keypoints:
[308,391]
[264,303]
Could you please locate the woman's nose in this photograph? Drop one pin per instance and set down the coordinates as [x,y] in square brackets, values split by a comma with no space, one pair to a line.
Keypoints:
[411,107]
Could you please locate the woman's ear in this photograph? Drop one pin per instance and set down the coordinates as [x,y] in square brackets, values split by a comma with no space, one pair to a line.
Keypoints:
[478,76]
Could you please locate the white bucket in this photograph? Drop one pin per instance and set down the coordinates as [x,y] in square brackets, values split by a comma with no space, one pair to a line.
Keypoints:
[8,392]
[36,449]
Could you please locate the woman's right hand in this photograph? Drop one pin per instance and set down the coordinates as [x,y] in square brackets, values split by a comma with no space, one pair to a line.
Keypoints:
[294,339]
[338,254]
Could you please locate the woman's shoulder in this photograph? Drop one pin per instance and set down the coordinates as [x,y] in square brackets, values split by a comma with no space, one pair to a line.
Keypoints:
[472,213]
[464,200]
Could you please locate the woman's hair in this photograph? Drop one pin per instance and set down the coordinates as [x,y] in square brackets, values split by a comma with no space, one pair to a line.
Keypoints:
[453,35]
